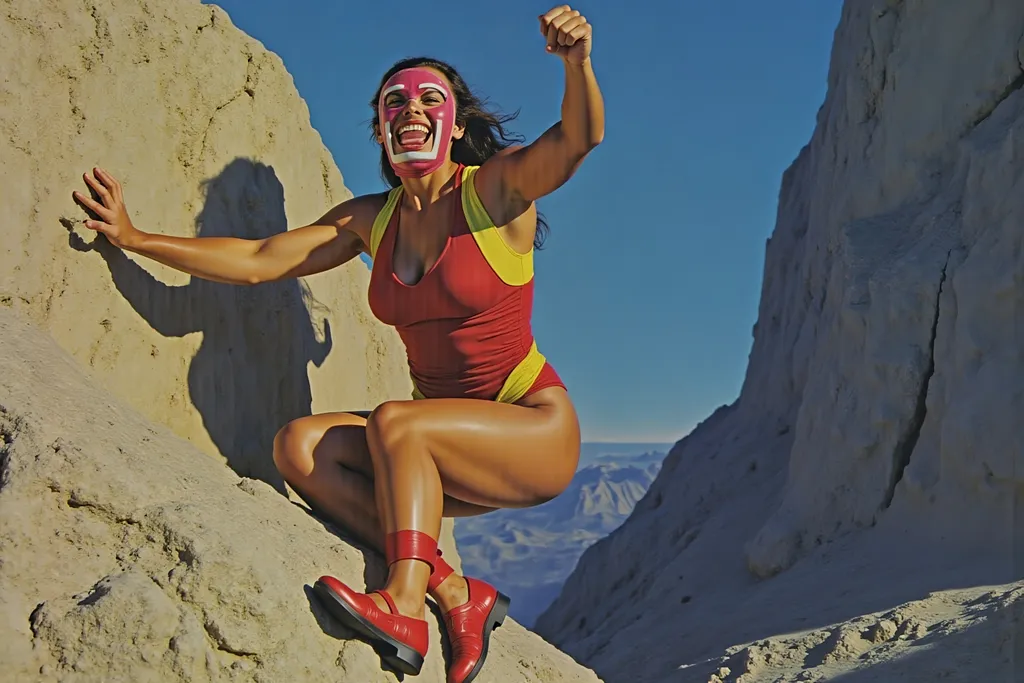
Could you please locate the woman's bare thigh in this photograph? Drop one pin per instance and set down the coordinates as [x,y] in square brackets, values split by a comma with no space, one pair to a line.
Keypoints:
[333,439]
[491,454]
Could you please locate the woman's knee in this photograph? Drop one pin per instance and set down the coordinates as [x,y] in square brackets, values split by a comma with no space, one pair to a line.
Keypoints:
[293,448]
[388,426]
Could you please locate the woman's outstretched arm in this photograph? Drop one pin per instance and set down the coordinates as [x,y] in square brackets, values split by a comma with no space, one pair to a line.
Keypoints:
[327,243]
[519,176]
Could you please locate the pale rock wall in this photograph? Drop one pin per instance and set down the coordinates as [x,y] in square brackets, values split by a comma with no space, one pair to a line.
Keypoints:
[209,137]
[876,451]
[129,555]
[206,131]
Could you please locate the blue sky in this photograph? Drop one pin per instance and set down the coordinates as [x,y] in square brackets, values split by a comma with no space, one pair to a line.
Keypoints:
[648,286]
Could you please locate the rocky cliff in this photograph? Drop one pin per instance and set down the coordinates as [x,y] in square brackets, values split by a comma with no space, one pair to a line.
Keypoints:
[209,137]
[862,495]
[207,133]
[124,553]
[129,555]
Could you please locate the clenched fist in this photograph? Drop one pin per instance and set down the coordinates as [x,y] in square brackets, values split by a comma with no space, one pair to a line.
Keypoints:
[568,34]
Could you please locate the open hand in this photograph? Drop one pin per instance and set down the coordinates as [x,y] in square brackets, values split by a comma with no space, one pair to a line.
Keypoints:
[568,34]
[114,221]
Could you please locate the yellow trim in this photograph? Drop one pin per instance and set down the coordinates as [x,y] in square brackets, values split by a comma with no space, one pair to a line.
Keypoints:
[517,383]
[522,376]
[380,223]
[512,267]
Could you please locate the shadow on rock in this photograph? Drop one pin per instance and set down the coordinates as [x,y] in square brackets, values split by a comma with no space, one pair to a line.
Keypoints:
[249,376]
[332,627]
[375,572]
[335,629]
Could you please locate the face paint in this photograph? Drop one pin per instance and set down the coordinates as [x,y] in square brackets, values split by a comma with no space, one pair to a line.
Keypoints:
[414,83]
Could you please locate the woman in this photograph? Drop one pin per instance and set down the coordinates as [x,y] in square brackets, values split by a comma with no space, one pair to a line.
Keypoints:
[452,247]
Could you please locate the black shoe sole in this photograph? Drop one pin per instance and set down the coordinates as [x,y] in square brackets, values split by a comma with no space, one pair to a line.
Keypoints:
[398,655]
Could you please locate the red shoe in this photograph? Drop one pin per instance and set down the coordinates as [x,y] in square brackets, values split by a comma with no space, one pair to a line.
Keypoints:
[470,624]
[404,640]
[469,629]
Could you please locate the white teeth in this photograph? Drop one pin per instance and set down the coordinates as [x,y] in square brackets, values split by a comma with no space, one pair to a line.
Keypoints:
[413,126]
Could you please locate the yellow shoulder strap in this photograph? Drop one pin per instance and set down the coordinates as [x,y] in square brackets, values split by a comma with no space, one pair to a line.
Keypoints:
[380,223]
[512,267]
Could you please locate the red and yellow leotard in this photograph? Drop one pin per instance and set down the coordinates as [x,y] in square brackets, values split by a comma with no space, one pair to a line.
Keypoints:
[466,323]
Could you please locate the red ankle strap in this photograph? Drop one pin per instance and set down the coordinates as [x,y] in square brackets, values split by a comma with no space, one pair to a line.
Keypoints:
[388,599]
[410,545]
[442,570]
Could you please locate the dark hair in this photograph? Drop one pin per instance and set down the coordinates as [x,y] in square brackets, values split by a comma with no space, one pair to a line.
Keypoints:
[484,136]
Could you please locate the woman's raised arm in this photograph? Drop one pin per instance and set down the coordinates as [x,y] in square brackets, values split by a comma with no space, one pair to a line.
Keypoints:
[520,176]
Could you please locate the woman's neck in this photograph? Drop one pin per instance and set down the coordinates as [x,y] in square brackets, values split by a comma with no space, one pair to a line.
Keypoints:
[421,192]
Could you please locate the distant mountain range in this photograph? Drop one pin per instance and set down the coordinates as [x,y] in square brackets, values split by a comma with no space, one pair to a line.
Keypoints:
[529,553]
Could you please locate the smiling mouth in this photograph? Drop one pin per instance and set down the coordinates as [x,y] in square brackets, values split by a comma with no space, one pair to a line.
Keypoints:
[412,136]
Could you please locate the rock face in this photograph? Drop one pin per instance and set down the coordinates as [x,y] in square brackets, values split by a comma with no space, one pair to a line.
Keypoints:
[125,552]
[209,137]
[129,555]
[873,461]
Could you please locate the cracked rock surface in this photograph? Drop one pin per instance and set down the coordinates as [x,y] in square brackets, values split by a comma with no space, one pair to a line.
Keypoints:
[128,555]
[141,535]
[874,460]
[208,135]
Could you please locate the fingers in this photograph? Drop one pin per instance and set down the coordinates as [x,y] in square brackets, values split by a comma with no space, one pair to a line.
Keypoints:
[563,26]
[573,30]
[94,206]
[111,182]
[546,18]
[548,28]
[579,33]
[554,32]
[108,189]
[100,188]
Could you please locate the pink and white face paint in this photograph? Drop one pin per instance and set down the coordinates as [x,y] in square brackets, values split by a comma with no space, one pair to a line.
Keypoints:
[414,83]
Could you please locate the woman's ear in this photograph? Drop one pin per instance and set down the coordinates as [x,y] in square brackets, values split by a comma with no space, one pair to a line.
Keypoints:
[458,131]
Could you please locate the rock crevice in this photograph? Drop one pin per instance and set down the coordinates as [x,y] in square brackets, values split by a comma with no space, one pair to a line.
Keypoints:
[905,446]
[1015,85]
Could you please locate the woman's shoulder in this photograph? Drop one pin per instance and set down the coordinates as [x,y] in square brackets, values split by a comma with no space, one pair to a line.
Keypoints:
[370,203]
[370,212]
[357,214]
[365,207]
